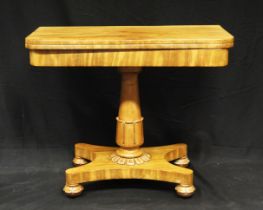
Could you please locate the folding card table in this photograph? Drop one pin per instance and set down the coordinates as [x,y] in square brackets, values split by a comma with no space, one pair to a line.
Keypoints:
[129,48]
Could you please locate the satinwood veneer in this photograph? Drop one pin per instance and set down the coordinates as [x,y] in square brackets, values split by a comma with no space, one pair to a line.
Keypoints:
[130,48]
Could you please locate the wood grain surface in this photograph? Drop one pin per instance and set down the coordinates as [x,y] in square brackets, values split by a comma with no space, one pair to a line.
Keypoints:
[130,48]
[130,37]
[131,58]
[101,167]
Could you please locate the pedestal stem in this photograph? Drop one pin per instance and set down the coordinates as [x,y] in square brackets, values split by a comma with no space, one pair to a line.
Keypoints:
[129,131]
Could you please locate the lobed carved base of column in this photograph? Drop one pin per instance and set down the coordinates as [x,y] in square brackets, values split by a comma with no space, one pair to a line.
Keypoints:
[101,167]
[130,161]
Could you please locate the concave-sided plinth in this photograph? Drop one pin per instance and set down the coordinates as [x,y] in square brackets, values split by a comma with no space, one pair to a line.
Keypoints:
[129,160]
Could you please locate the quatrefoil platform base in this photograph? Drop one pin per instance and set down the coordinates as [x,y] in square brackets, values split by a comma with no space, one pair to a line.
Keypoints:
[95,163]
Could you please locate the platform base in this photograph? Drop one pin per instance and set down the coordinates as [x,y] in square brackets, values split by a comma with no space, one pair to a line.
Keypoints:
[101,167]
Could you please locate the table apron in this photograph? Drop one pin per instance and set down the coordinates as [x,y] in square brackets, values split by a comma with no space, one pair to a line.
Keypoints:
[130,58]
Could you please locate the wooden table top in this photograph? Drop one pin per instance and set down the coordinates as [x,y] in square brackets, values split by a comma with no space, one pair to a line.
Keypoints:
[130,37]
[130,46]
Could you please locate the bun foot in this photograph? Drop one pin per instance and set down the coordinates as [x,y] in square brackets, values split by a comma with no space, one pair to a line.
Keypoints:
[79,161]
[182,162]
[185,191]
[73,190]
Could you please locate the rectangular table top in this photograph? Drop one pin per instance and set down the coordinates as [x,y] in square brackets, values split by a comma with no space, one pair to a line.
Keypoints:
[130,37]
[134,46]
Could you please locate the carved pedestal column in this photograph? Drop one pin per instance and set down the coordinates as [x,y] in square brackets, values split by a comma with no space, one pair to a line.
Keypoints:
[129,131]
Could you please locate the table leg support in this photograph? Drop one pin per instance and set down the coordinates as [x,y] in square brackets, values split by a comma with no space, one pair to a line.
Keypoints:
[101,167]
[129,129]
[129,160]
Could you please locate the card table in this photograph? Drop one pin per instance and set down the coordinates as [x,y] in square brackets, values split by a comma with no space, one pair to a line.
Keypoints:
[129,48]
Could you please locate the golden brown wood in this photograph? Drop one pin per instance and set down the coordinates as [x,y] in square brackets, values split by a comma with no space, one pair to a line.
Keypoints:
[130,48]
[129,134]
[130,37]
[102,168]
[132,58]
[129,161]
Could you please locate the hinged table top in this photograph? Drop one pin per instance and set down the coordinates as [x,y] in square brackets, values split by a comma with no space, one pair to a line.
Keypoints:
[130,46]
[130,37]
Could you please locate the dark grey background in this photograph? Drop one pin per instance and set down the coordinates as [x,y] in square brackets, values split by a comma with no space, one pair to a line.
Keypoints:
[217,111]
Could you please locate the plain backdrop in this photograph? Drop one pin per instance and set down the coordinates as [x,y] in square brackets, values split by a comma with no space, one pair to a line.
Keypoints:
[218,112]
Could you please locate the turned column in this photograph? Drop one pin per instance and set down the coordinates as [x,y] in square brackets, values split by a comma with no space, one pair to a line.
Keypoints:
[129,129]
